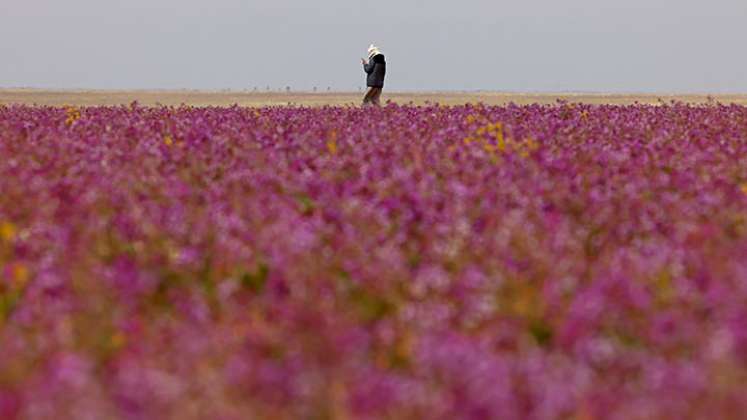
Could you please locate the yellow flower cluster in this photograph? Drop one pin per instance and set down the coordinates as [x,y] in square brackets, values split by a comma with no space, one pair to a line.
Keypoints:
[170,140]
[332,143]
[492,138]
[7,231]
[73,115]
[20,276]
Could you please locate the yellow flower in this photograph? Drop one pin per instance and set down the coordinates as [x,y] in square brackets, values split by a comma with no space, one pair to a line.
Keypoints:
[484,135]
[118,340]
[743,188]
[7,231]
[73,114]
[501,143]
[168,140]
[332,142]
[20,276]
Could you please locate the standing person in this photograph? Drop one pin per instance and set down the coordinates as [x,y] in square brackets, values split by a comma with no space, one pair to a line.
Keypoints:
[375,68]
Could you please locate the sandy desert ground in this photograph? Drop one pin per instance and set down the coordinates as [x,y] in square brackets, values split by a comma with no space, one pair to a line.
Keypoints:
[226,98]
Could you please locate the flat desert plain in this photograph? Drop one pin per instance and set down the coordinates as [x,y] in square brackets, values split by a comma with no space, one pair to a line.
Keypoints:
[257,99]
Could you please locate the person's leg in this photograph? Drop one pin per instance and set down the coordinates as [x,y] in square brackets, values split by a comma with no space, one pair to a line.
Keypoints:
[367,98]
[377,96]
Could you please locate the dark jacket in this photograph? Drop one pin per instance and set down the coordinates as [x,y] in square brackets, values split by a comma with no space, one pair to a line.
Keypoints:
[376,69]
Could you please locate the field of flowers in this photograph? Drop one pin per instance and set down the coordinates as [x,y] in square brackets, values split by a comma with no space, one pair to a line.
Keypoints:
[520,262]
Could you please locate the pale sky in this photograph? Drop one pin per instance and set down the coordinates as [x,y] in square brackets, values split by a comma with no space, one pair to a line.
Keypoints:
[530,45]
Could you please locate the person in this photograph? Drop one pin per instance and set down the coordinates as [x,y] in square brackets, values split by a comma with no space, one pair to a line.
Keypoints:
[375,68]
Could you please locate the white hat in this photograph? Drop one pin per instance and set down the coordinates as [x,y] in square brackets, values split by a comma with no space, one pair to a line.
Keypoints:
[373,50]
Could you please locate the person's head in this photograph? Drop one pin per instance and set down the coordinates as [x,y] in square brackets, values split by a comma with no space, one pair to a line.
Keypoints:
[372,51]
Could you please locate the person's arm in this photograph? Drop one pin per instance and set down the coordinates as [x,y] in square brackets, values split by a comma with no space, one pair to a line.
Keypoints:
[368,67]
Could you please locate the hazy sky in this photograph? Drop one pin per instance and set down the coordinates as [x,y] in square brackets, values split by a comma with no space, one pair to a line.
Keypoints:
[529,45]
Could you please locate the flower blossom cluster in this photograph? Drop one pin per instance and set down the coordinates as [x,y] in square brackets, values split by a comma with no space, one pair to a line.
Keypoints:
[518,262]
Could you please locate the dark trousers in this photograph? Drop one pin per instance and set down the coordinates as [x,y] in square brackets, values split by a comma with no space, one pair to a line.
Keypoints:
[372,97]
